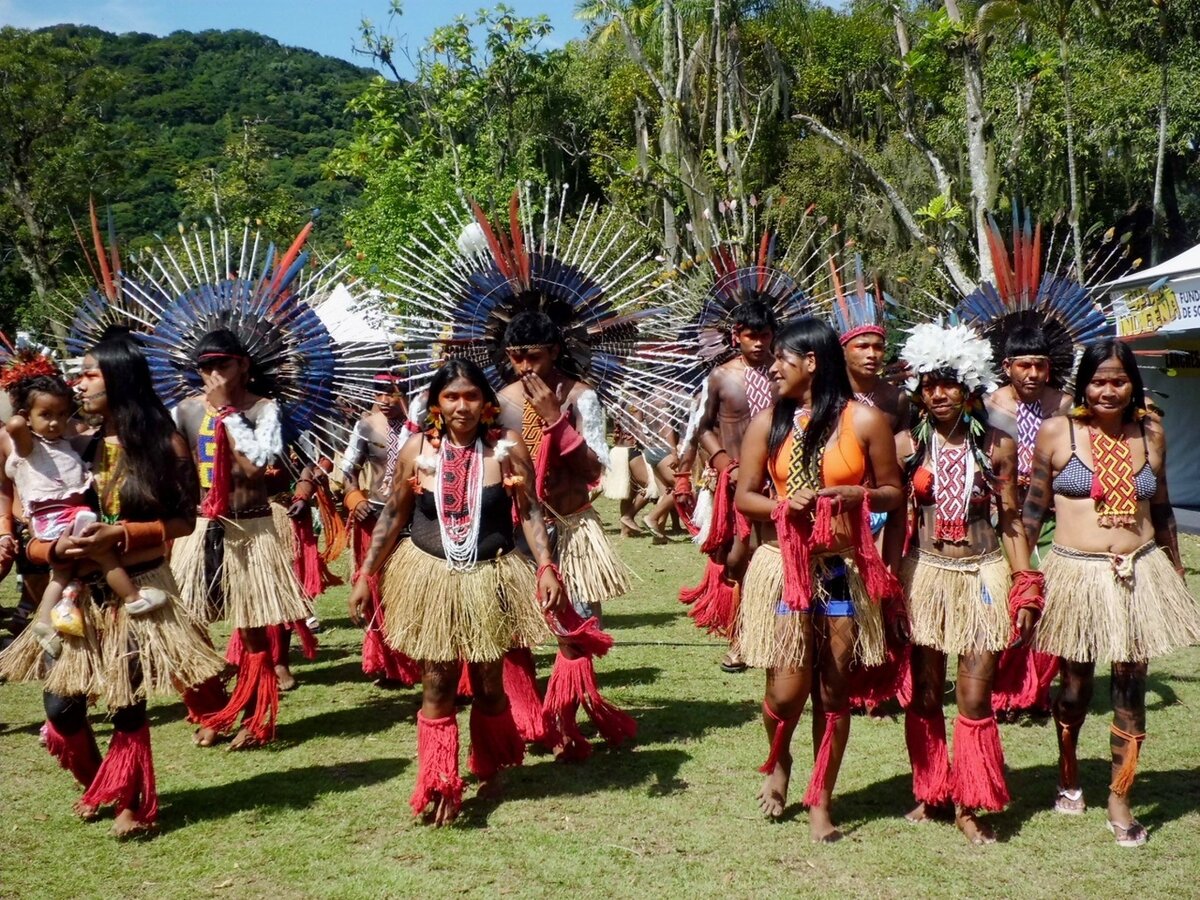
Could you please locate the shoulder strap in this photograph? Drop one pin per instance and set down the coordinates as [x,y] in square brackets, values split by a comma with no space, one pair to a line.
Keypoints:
[1071,428]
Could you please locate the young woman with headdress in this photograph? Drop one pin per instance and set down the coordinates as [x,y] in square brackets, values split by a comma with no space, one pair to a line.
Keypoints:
[454,592]
[1114,578]
[146,485]
[963,597]
[811,602]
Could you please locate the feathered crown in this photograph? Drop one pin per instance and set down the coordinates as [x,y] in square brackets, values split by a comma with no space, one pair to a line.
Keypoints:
[460,285]
[861,311]
[956,348]
[1035,289]
[23,360]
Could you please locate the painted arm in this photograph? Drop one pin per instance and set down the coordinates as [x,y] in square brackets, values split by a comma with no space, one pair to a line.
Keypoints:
[1012,535]
[750,497]
[397,512]
[1041,490]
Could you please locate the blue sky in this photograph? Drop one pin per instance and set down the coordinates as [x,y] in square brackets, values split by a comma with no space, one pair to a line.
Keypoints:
[327,26]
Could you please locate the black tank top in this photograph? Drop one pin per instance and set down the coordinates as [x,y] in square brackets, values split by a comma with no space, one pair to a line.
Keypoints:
[495,524]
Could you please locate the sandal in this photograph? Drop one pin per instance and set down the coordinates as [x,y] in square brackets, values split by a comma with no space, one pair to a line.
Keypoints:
[1069,801]
[733,664]
[653,529]
[1132,835]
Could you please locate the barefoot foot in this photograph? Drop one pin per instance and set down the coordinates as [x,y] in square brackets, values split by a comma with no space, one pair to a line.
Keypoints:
[244,740]
[444,811]
[975,831]
[205,737]
[772,799]
[287,681]
[820,826]
[929,812]
[128,826]
[86,811]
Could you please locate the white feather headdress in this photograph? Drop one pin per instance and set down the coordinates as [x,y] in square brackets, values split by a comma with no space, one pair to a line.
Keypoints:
[935,347]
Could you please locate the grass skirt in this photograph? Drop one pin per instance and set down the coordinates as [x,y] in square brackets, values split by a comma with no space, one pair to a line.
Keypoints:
[947,607]
[1103,607]
[23,659]
[590,566]
[770,639]
[169,649]
[257,582]
[431,613]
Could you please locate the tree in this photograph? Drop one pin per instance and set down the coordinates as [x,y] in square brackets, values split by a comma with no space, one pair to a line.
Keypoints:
[55,143]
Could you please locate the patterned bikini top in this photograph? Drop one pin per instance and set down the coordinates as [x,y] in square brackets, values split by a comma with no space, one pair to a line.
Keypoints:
[1075,478]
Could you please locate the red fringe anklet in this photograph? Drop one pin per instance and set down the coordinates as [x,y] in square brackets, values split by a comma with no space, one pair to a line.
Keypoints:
[77,753]
[977,775]
[126,777]
[778,737]
[234,649]
[495,743]
[713,601]
[818,782]
[257,684]
[437,763]
[205,698]
[926,740]
[573,682]
[525,704]
[464,690]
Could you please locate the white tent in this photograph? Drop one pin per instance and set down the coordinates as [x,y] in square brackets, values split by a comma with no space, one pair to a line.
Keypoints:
[353,320]
[1159,310]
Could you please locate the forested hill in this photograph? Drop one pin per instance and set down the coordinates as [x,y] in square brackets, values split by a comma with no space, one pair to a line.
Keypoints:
[189,102]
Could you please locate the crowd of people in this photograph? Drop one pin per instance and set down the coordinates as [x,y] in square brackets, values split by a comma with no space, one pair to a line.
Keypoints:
[858,523]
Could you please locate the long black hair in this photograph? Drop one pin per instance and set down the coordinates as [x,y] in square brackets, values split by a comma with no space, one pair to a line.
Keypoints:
[1101,352]
[830,390]
[155,482]
[463,368]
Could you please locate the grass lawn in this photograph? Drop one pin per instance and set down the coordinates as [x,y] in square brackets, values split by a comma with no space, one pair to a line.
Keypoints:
[324,812]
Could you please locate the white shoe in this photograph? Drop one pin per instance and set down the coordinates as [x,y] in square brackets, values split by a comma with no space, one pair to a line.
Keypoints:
[149,599]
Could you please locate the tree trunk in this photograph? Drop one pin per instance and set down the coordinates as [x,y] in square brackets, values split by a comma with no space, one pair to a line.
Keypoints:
[1157,215]
[1072,175]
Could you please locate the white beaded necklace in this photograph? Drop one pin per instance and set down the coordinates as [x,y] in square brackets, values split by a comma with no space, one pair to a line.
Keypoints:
[460,539]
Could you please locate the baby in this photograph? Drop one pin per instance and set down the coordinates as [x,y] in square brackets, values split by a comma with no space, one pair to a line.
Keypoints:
[52,482]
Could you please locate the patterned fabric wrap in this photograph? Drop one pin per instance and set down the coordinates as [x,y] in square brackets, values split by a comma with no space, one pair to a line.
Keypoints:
[953,496]
[800,476]
[531,429]
[206,449]
[1113,486]
[1029,421]
[397,434]
[758,388]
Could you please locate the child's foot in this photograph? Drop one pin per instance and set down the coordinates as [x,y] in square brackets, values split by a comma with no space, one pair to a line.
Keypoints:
[47,639]
[148,599]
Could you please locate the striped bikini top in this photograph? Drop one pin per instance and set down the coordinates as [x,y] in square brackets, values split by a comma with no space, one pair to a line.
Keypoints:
[1075,479]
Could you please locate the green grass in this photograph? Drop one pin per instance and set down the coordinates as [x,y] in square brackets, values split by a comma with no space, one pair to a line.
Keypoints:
[324,812]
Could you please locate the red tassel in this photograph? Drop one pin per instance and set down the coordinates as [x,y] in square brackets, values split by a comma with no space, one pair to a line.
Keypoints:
[256,682]
[307,561]
[977,776]
[233,650]
[495,743]
[1017,685]
[1097,492]
[822,532]
[204,699]
[871,686]
[794,547]
[584,635]
[308,640]
[525,704]
[381,661]
[277,640]
[437,763]
[879,581]
[216,501]
[721,528]
[126,777]
[464,690]
[714,603]
[777,738]
[818,782]
[77,753]
[926,740]
[573,681]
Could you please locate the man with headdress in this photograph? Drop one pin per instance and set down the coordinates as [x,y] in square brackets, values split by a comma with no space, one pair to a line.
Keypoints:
[373,451]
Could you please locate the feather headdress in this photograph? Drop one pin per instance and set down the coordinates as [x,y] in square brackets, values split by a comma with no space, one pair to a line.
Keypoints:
[957,349]
[857,309]
[459,285]
[1034,288]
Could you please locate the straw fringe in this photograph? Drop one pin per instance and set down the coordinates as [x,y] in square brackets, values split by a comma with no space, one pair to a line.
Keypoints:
[187,568]
[946,609]
[431,613]
[23,659]
[617,483]
[1091,614]
[77,671]
[257,579]
[165,647]
[768,639]
[591,569]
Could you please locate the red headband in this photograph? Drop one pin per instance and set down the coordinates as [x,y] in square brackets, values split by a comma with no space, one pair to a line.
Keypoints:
[212,355]
[861,330]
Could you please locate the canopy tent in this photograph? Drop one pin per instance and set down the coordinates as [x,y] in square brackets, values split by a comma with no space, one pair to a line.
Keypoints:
[353,320]
[1158,310]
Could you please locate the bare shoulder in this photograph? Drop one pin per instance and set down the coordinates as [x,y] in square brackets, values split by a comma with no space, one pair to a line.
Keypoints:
[868,420]
[511,392]
[1060,402]
[1055,427]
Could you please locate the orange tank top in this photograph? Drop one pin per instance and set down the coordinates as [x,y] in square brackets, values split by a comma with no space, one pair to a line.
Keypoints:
[843,463]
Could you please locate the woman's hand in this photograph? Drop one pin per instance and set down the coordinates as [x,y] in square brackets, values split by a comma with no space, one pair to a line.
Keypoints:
[550,594]
[802,501]
[1026,623]
[97,540]
[361,512]
[297,509]
[8,549]
[360,597]
[847,495]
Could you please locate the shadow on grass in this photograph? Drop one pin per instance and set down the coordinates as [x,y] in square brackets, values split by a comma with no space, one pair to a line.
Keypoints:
[363,718]
[661,721]
[624,770]
[615,620]
[627,676]
[1159,797]
[288,789]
